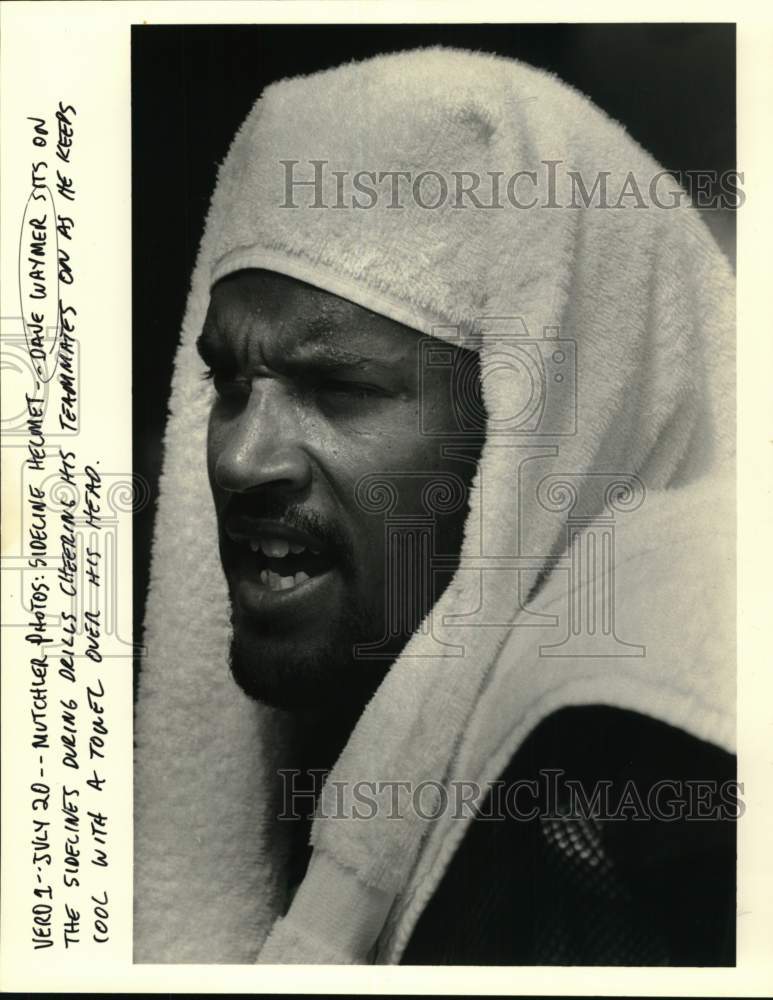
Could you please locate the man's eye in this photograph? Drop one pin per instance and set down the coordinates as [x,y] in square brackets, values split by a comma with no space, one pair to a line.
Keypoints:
[351,390]
[226,385]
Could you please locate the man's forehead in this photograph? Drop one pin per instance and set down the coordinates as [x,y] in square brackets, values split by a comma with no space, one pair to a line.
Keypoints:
[259,304]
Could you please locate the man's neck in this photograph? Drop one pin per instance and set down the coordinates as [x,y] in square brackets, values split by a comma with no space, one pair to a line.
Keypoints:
[322,735]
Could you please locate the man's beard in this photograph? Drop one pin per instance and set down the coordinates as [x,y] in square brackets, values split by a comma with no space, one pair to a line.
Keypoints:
[331,668]
[327,673]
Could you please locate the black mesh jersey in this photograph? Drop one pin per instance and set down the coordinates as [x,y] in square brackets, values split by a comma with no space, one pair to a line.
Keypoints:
[619,849]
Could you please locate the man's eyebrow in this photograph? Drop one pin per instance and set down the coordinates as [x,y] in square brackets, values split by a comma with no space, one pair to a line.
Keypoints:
[329,356]
[320,347]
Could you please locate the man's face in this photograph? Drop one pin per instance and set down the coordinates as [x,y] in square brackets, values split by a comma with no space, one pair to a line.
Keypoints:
[312,393]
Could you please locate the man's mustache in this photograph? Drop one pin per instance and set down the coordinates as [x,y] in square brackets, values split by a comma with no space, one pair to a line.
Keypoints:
[292,515]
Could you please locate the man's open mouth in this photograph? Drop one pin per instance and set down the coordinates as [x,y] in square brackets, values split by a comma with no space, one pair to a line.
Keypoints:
[283,565]
[277,557]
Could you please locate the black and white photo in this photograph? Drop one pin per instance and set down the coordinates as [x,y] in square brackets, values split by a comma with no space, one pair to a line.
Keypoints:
[439,613]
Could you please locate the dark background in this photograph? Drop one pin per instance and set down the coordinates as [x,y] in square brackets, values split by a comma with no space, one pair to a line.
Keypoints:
[672,86]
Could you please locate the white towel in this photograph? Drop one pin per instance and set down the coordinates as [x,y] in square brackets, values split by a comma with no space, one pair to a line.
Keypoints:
[646,298]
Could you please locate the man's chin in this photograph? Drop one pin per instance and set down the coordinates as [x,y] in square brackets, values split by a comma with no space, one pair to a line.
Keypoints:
[286,677]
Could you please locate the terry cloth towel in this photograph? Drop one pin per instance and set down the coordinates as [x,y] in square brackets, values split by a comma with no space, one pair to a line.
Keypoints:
[608,482]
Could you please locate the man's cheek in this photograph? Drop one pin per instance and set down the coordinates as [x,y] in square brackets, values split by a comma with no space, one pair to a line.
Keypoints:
[368,574]
[212,448]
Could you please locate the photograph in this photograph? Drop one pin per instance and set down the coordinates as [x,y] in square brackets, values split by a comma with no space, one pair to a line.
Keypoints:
[433,335]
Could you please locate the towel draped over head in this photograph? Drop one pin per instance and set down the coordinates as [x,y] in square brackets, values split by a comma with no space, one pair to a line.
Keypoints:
[634,444]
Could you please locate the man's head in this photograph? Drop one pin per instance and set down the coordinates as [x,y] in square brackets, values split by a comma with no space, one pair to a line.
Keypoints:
[313,393]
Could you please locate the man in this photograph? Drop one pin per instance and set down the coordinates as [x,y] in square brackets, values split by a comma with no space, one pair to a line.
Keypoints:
[313,393]
[466,465]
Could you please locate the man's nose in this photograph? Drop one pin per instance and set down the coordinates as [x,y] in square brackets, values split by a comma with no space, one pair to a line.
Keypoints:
[263,445]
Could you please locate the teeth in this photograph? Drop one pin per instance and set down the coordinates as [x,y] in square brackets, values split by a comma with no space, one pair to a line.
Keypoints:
[276,548]
[279,548]
[276,582]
